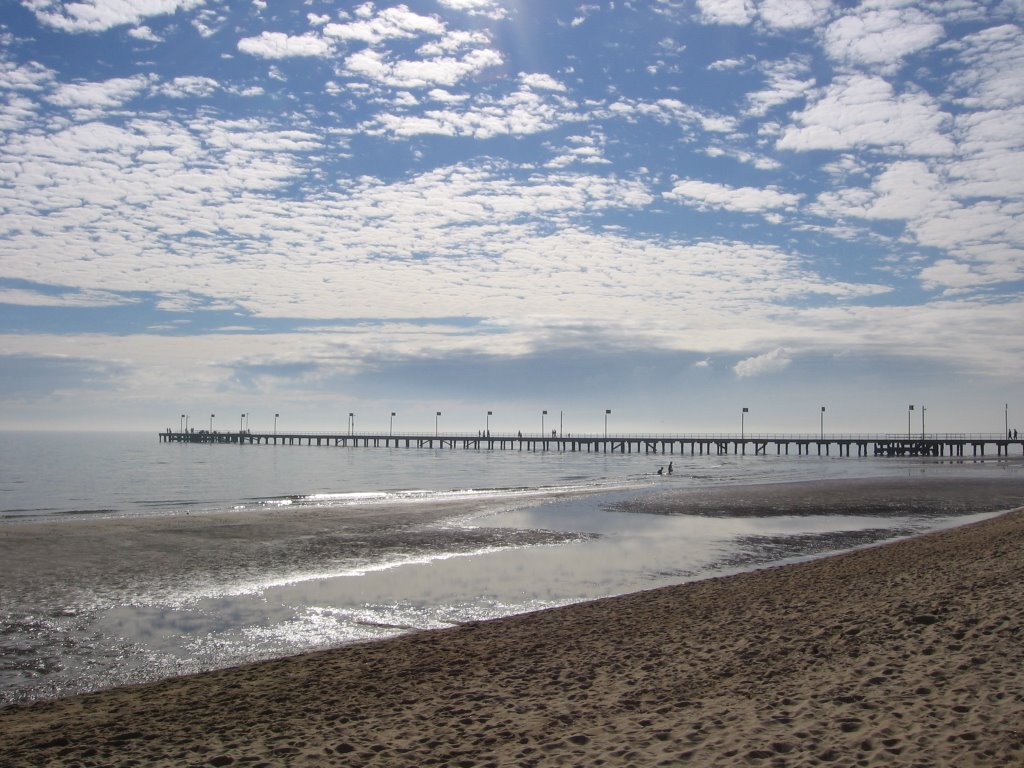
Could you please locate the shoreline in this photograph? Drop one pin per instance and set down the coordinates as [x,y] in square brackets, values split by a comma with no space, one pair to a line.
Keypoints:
[905,653]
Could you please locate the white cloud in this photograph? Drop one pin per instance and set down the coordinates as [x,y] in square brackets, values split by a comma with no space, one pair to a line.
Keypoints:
[277,45]
[585,150]
[724,65]
[186,87]
[445,71]
[447,97]
[776,14]
[492,9]
[145,33]
[991,64]
[787,80]
[30,298]
[454,41]
[109,93]
[707,195]
[390,24]
[795,14]
[770,362]
[100,15]
[737,12]
[881,38]
[983,239]
[29,77]
[862,111]
[541,82]
[950,274]
[208,22]
[523,112]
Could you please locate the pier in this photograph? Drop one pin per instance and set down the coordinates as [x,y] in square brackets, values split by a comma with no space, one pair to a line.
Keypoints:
[954,445]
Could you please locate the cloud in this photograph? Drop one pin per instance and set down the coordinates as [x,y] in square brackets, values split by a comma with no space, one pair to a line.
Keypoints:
[707,196]
[100,15]
[390,24]
[424,73]
[26,297]
[881,38]
[861,111]
[145,33]
[943,205]
[787,80]
[541,82]
[190,87]
[991,63]
[738,12]
[770,362]
[490,8]
[795,14]
[277,45]
[520,113]
[102,95]
[775,14]
[39,377]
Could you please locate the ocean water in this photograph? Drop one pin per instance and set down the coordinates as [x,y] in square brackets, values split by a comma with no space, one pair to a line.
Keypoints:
[124,559]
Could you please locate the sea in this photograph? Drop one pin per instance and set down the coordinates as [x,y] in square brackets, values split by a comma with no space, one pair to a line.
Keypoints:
[124,559]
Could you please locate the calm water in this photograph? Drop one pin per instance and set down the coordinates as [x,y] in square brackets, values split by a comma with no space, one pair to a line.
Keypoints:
[374,542]
[49,475]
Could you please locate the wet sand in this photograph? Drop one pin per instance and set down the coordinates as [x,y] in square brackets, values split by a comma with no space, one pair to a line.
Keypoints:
[110,559]
[911,653]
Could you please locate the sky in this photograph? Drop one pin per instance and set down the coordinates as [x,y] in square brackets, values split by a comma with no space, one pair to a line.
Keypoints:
[669,209]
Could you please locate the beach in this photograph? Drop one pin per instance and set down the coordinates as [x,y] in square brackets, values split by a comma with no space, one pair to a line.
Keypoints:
[904,654]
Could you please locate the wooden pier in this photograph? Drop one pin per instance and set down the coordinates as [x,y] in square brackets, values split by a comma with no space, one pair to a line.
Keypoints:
[954,445]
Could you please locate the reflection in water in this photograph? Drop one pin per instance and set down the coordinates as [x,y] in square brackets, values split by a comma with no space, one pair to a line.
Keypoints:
[608,552]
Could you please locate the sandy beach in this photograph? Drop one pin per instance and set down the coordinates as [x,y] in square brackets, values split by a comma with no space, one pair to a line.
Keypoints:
[907,654]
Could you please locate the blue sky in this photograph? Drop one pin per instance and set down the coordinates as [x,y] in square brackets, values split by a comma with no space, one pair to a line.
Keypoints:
[670,209]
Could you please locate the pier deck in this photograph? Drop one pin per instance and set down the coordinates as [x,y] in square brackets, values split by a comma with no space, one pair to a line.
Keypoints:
[682,444]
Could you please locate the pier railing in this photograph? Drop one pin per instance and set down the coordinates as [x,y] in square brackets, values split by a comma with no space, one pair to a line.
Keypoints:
[889,444]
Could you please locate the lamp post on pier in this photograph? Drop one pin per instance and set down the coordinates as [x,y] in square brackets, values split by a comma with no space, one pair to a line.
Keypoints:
[241,422]
[181,423]
[743,433]
[211,421]
[487,431]
[437,416]
[923,409]
[823,422]
[391,425]
[607,411]
[351,423]
[542,415]
[276,417]
[910,412]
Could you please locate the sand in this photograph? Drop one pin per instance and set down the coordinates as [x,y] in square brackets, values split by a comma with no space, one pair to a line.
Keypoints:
[908,654]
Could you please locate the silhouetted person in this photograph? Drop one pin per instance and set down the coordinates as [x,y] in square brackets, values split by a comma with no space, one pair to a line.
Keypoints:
[670,467]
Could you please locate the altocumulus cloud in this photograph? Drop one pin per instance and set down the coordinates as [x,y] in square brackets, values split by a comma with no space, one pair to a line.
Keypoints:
[346,188]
